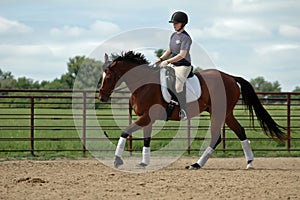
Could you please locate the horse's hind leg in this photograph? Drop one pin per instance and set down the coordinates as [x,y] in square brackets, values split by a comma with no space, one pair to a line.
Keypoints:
[235,126]
[215,128]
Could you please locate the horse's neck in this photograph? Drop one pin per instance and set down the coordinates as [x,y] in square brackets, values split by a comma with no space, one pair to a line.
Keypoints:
[140,76]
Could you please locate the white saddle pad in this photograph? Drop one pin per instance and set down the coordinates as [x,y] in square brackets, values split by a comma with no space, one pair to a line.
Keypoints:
[193,89]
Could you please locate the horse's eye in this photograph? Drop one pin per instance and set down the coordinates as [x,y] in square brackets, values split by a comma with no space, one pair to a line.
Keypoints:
[108,78]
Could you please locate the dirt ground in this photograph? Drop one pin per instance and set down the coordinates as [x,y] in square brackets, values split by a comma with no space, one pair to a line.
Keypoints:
[221,178]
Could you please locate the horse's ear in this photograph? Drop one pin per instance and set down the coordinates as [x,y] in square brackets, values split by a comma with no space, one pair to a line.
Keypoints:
[105,57]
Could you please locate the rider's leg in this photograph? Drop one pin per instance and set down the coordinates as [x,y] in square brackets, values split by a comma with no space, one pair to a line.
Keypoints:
[181,73]
[181,96]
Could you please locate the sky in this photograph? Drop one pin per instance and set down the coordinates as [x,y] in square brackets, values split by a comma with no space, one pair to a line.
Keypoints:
[247,38]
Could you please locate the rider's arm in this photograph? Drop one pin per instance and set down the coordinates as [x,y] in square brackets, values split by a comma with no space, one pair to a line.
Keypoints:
[166,54]
[178,57]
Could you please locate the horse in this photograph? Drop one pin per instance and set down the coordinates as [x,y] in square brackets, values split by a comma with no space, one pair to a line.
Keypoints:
[145,92]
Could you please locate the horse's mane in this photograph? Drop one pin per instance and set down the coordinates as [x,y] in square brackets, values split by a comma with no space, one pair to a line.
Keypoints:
[131,56]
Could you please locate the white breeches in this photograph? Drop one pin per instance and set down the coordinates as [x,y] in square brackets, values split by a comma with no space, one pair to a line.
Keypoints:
[181,73]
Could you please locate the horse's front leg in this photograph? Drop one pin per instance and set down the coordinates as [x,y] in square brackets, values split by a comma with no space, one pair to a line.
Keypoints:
[146,149]
[138,124]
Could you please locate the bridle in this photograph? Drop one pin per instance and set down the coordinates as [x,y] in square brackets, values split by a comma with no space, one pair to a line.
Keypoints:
[117,77]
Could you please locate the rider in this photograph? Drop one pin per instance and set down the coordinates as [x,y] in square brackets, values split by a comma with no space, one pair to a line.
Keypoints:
[178,57]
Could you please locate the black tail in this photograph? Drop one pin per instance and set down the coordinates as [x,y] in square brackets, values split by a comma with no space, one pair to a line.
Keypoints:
[250,99]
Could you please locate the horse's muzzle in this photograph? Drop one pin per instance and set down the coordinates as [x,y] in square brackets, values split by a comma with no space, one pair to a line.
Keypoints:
[103,98]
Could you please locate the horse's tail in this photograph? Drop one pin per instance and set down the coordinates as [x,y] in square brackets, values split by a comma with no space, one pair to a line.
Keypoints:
[251,101]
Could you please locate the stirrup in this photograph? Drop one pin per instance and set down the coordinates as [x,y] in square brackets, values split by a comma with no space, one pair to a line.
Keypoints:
[182,114]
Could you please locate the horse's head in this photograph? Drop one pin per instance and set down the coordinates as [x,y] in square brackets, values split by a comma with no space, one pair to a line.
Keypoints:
[110,77]
[116,71]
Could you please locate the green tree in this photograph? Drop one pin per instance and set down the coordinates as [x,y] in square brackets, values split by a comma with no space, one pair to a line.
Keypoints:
[89,75]
[56,84]
[159,52]
[261,85]
[27,83]
[297,89]
[85,71]
[7,80]
[5,75]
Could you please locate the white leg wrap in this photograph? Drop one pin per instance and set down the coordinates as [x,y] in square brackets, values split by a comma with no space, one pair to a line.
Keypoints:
[247,150]
[208,151]
[146,155]
[120,147]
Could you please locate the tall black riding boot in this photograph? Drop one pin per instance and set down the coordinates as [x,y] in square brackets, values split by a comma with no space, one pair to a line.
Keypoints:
[182,103]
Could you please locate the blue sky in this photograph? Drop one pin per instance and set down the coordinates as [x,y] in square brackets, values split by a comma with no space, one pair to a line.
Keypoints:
[249,38]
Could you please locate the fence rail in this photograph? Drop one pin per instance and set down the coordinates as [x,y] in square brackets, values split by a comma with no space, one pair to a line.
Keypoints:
[27,117]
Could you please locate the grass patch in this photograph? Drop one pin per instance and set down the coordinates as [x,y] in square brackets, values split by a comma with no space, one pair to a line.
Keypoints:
[58,133]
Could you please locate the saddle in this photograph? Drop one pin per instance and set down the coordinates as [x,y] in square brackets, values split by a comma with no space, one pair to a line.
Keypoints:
[167,82]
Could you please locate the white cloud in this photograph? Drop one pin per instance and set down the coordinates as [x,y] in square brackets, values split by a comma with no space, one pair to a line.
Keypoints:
[256,6]
[12,26]
[73,31]
[289,31]
[24,50]
[273,48]
[104,27]
[233,29]
[98,28]
[41,62]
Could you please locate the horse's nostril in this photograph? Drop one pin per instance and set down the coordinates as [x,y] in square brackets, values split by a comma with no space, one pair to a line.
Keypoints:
[103,98]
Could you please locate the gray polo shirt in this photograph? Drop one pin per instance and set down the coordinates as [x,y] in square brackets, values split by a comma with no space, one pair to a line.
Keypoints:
[181,41]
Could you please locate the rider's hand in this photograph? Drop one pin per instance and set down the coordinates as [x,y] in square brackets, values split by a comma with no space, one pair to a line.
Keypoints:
[157,61]
[164,63]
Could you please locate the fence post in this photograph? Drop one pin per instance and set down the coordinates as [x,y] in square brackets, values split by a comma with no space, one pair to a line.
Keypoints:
[130,135]
[223,139]
[83,123]
[189,136]
[32,125]
[288,128]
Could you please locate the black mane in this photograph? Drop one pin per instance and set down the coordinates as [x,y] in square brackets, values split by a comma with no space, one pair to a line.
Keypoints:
[130,56]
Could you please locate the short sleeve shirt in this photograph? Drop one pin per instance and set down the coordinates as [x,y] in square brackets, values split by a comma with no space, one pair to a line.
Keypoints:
[181,41]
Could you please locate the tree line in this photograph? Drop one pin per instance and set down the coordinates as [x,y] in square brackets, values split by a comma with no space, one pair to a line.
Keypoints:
[87,72]
[66,80]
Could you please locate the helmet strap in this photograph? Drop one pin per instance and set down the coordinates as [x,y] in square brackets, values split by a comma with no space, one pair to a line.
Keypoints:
[182,26]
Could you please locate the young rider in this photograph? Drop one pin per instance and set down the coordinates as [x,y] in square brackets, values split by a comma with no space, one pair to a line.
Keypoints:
[178,56]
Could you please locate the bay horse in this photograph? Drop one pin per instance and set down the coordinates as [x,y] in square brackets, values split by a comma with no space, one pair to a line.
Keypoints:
[145,92]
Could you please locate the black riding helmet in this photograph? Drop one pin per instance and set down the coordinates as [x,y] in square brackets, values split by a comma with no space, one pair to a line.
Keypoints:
[179,17]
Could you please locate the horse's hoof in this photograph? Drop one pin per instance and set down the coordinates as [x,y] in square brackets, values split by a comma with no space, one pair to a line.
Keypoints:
[193,167]
[141,165]
[118,162]
[250,166]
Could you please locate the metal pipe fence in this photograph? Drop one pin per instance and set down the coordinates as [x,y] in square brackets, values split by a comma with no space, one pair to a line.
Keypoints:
[32,120]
